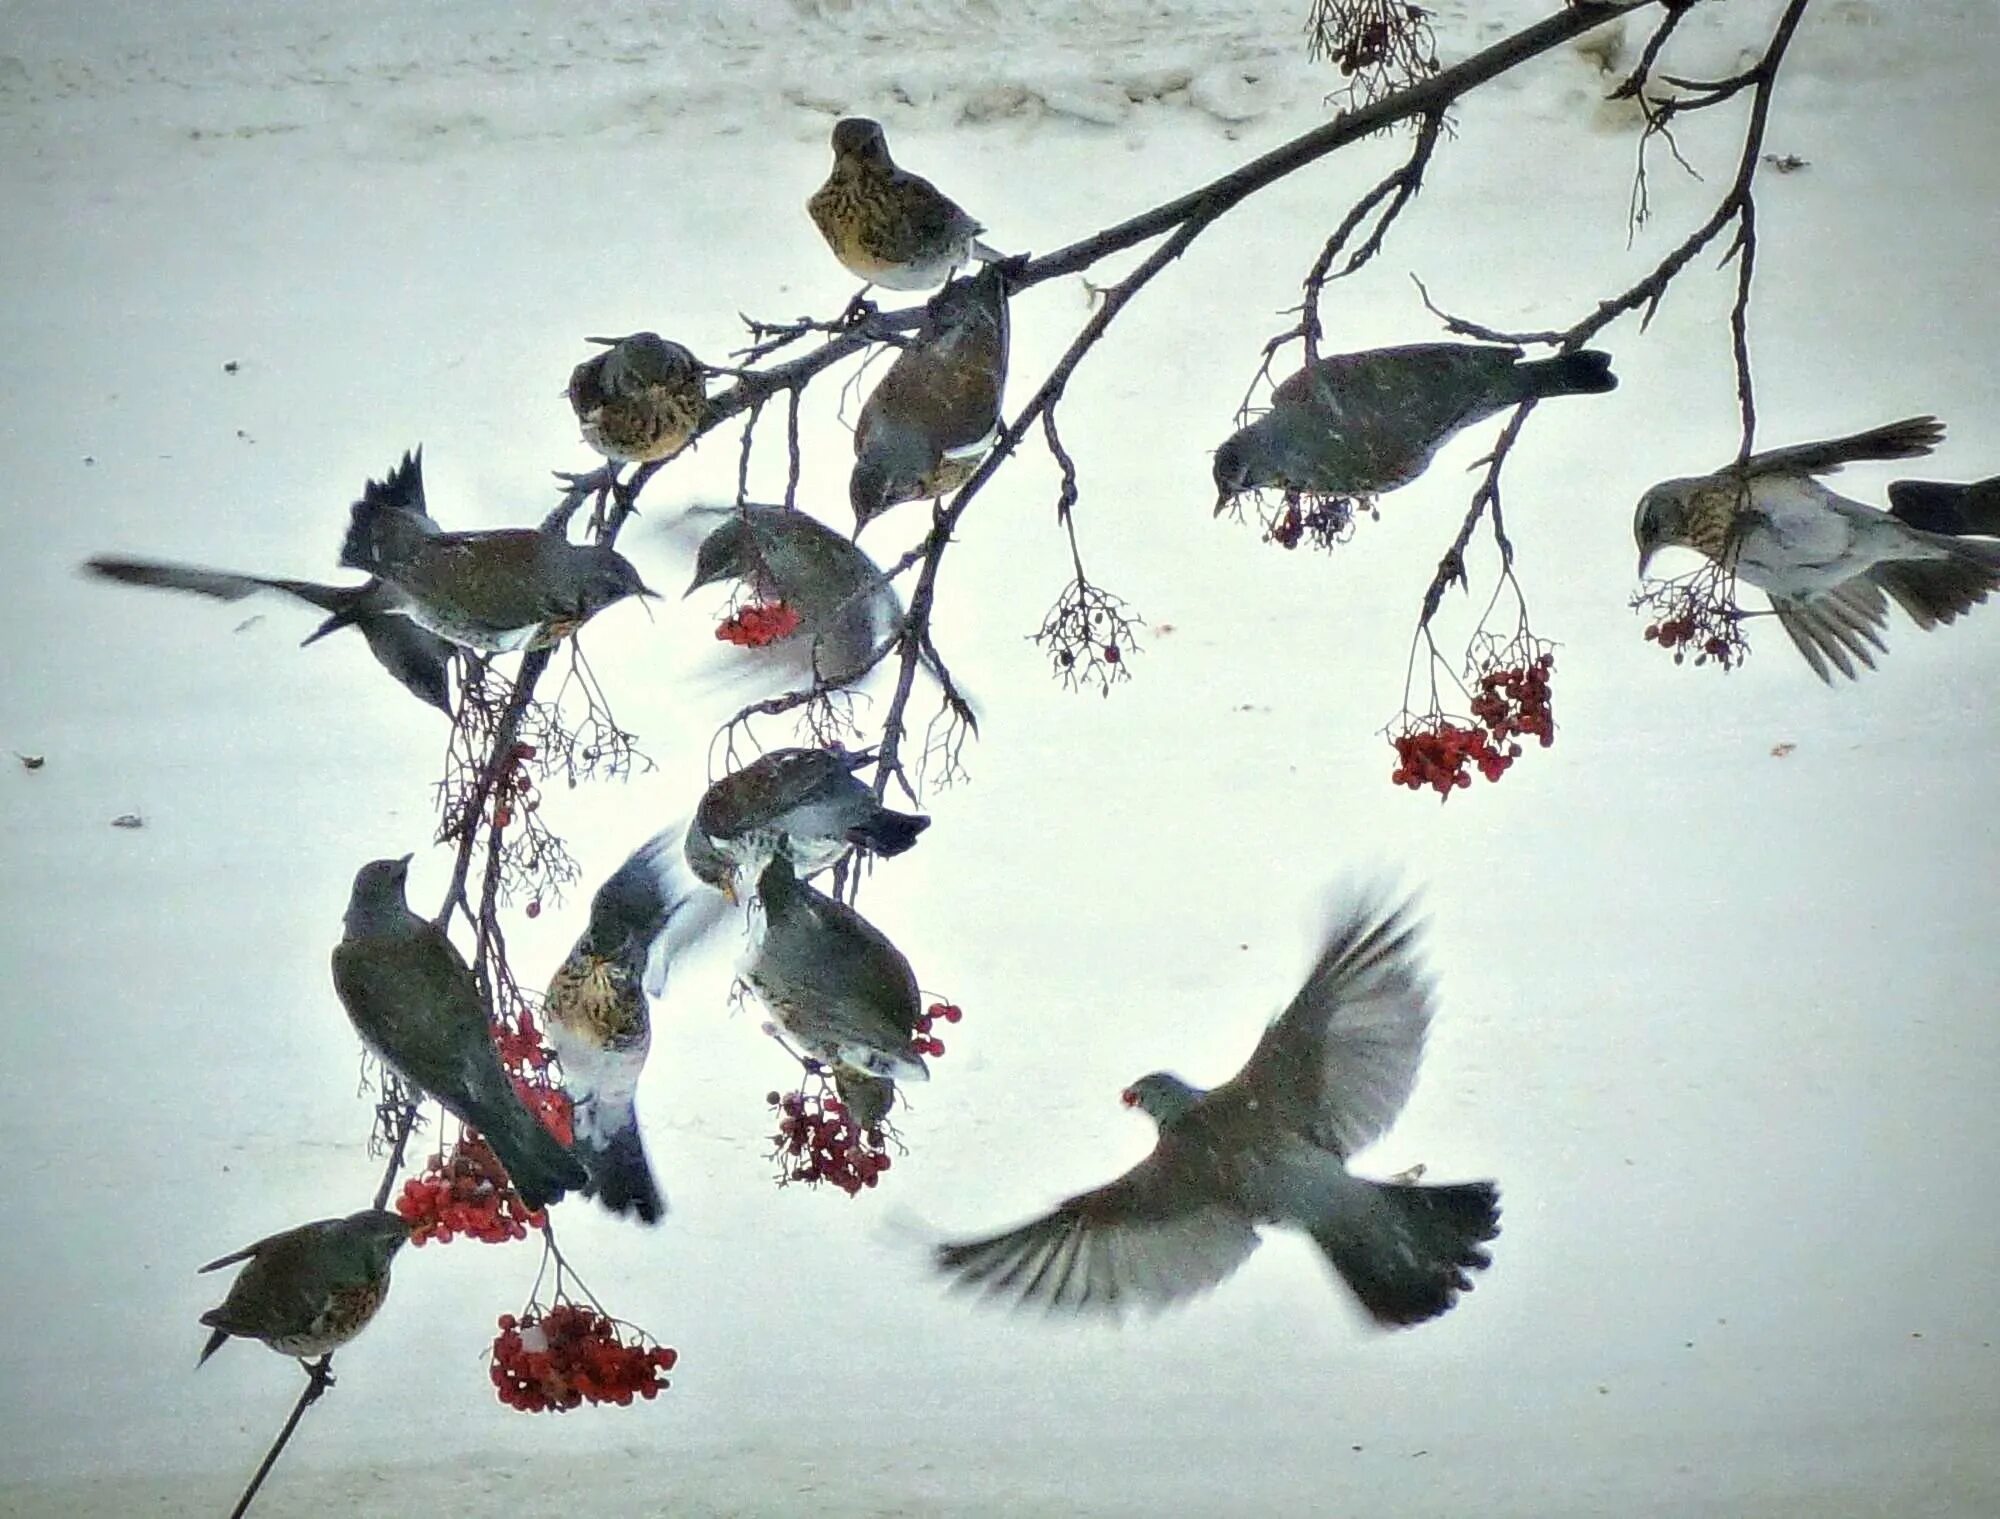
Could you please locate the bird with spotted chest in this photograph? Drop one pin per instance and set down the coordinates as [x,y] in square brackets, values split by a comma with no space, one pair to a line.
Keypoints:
[934,416]
[808,802]
[1270,1146]
[307,1291]
[887,226]
[1827,563]
[600,1023]
[641,399]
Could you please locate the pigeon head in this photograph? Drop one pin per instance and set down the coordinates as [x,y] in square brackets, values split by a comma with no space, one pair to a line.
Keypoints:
[856,137]
[1162,1096]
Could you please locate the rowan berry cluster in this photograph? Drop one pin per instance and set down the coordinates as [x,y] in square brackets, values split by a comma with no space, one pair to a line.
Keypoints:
[925,1042]
[1513,701]
[752,627]
[1436,751]
[465,1193]
[550,1361]
[819,1141]
[1698,615]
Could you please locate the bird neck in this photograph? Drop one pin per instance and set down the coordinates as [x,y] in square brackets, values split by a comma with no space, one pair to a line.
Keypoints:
[380,918]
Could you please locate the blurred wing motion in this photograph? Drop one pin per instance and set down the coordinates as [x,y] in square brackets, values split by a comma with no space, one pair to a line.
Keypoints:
[1149,1239]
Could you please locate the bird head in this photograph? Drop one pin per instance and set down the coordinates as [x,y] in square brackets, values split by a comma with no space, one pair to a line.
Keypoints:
[1236,467]
[723,555]
[378,896]
[889,468]
[377,1233]
[1660,521]
[646,358]
[857,139]
[609,577]
[1162,1096]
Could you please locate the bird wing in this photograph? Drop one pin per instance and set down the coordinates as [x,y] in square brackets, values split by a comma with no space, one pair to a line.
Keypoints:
[1339,1062]
[222,585]
[1834,625]
[415,1001]
[1151,1238]
[634,905]
[1908,439]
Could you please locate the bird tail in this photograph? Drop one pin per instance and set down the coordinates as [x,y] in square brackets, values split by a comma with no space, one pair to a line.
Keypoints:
[1951,510]
[1583,373]
[1405,1250]
[888,832]
[538,1164]
[215,1341]
[389,523]
[620,1176]
[1939,590]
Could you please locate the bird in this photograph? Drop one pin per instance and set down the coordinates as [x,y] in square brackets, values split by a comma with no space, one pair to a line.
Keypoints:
[1954,510]
[846,605]
[1269,1147]
[307,1291]
[414,1002]
[640,399]
[495,590]
[936,413]
[1360,424]
[418,659]
[1825,561]
[600,1024]
[887,226]
[808,800]
[832,980]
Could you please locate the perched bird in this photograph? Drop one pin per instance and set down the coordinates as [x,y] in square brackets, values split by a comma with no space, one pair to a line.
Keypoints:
[1824,561]
[808,801]
[496,590]
[1269,1146]
[642,398]
[309,1290]
[924,429]
[600,1024]
[415,656]
[847,607]
[1359,424]
[832,981]
[888,226]
[1954,510]
[414,1002]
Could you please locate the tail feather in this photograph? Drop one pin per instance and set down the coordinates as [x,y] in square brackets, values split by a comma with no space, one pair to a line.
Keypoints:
[888,833]
[1408,1251]
[215,1341]
[389,521]
[1583,373]
[620,1176]
[538,1164]
[1937,591]
[1951,510]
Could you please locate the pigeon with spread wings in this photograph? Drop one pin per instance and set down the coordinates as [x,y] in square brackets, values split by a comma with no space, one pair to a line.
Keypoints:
[1269,1147]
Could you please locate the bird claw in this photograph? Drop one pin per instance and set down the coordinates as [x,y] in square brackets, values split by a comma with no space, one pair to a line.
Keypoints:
[319,1376]
[859,310]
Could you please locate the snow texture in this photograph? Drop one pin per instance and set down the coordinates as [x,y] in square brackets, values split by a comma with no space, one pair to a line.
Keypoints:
[1720,1022]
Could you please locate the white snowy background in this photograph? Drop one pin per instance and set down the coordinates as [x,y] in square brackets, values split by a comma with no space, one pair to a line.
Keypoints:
[1721,1023]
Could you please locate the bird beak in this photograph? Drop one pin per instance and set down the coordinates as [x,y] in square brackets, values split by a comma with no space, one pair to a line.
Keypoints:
[1222,500]
[694,585]
[729,890]
[1645,559]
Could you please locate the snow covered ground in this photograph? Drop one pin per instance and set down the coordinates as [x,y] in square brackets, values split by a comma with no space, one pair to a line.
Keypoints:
[1721,1022]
